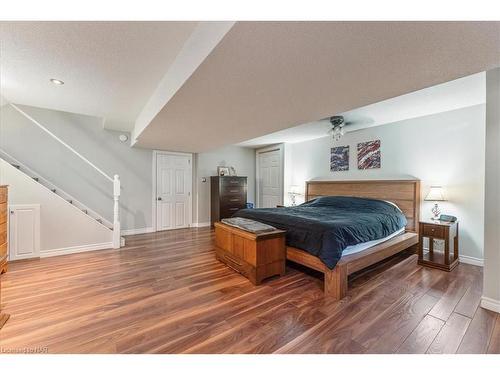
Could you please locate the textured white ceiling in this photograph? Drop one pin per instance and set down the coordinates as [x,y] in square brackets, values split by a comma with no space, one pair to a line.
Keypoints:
[268,76]
[110,69]
[460,93]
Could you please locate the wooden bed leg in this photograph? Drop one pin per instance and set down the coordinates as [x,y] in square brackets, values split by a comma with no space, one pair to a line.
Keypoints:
[336,282]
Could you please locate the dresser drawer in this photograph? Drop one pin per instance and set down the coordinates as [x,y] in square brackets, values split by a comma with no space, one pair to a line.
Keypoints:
[3,195]
[229,211]
[434,231]
[3,213]
[232,190]
[233,181]
[233,200]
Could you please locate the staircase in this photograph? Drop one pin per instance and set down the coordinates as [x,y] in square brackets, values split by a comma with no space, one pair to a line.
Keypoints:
[54,189]
[115,226]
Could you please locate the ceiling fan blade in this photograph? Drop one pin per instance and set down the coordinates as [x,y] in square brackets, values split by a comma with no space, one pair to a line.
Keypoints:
[360,121]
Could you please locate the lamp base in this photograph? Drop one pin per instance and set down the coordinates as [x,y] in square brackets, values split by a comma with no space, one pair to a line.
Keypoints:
[436,212]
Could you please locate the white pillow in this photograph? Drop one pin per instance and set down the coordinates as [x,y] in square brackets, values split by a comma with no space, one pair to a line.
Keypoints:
[394,204]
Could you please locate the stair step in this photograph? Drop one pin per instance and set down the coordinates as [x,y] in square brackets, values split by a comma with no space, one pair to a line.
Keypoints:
[35,178]
[99,220]
[85,211]
[70,201]
[53,190]
[16,166]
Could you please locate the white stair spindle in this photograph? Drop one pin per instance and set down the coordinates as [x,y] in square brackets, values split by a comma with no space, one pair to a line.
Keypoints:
[116,212]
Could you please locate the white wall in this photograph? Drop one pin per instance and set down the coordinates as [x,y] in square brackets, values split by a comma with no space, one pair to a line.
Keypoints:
[63,227]
[37,150]
[32,147]
[241,158]
[491,290]
[444,149]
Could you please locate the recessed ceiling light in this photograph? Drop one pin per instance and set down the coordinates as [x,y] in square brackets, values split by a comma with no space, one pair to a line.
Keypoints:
[56,81]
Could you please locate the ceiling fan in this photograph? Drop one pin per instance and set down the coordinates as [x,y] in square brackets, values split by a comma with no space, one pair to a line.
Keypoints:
[338,123]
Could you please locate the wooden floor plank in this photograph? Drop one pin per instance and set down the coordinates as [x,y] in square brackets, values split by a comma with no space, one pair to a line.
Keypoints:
[494,346]
[166,293]
[449,338]
[478,333]
[455,290]
[402,321]
[470,301]
[421,338]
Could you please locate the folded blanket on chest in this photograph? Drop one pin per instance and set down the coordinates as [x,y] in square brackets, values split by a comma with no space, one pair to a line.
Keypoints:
[325,226]
[248,225]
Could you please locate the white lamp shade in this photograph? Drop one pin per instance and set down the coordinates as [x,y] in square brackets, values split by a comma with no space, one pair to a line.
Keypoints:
[436,193]
[294,189]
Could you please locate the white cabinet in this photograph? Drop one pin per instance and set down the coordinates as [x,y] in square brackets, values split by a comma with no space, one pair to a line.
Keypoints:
[24,231]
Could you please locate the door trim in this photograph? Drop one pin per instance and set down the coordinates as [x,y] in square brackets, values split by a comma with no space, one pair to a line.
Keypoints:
[155,154]
[281,148]
[36,209]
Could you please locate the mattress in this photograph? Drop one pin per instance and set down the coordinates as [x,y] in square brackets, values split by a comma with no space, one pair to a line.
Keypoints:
[366,245]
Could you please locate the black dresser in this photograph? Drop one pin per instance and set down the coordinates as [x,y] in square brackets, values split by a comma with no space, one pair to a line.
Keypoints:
[228,194]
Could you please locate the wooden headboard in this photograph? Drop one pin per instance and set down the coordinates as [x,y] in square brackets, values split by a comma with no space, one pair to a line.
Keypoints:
[404,193]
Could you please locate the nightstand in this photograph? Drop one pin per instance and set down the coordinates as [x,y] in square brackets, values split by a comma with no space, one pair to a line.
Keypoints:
[446,258]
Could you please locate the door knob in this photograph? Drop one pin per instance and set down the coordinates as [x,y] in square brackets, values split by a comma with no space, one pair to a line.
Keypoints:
[159,198]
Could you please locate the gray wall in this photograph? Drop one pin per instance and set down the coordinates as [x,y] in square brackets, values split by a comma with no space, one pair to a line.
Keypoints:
[34,148]
[492,190]
[242,159]
[443,149]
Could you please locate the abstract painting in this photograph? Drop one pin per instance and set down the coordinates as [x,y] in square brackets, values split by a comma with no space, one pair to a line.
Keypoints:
[339,159]
[369,155]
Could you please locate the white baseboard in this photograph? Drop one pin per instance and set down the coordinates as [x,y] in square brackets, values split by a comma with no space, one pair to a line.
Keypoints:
[75,249]
[200,225]
[490,304]
[130,232]
[471,260]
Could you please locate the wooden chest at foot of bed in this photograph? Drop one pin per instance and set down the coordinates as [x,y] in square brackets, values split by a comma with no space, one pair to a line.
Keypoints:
[255,256]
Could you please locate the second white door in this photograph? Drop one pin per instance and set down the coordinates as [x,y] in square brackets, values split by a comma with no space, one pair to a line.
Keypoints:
[270,177]
[173,191]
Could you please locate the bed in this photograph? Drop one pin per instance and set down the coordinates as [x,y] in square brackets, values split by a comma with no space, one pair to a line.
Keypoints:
[390,237]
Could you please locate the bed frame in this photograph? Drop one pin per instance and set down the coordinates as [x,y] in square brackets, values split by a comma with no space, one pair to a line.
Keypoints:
[404,193]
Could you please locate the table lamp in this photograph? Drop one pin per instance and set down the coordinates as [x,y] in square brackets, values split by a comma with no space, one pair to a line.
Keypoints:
[293,191]
[436,194]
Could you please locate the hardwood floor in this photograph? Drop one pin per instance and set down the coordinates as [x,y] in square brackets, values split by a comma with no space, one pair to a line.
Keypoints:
[166,293]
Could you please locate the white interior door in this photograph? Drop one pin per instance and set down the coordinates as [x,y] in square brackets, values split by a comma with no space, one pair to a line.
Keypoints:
[173,191]
[270,178]
[24,231]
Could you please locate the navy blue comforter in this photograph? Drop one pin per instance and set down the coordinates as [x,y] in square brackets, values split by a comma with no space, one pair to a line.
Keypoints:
[325,226]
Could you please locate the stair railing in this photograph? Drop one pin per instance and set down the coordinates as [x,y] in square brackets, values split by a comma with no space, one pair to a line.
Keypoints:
[115,180]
